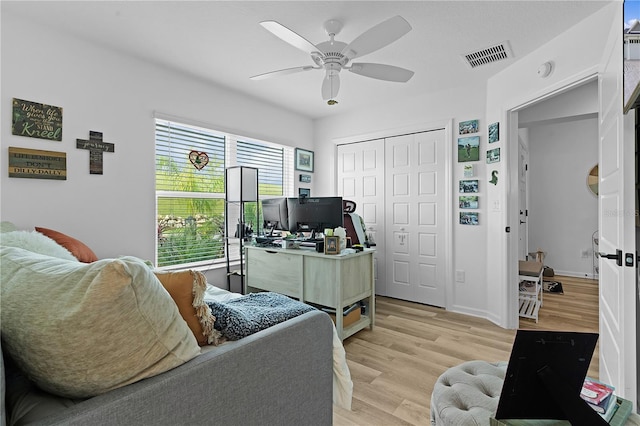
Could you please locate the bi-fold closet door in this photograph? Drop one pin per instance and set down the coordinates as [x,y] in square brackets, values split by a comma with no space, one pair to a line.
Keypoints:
[399,186]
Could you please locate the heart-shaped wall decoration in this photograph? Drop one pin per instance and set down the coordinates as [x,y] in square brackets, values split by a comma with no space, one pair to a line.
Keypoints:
[198,159]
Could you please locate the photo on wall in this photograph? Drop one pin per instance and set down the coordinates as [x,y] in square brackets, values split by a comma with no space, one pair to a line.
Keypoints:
[493,155]
[469,126]
[469,149]
[468,171]
[494,132]
[469,218]
[468,201]
[470,185]
[304,160]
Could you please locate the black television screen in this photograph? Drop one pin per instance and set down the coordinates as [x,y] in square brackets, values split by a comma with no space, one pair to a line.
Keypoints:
[545,375]
[274,214]
[314,214]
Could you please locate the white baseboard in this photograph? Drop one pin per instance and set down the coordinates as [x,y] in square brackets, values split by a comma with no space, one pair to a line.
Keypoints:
[574,274]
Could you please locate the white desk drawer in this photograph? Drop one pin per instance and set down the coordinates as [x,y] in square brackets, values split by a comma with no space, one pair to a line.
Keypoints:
[275,271]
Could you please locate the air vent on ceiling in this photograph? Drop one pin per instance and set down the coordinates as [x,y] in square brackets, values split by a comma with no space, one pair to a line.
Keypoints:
[495,53]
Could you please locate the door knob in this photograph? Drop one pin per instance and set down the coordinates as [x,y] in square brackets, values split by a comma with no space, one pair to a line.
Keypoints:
[617,256]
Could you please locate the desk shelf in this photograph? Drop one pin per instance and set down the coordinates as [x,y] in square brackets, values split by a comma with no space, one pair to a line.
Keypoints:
[530,275]
[364,321]
[529,307]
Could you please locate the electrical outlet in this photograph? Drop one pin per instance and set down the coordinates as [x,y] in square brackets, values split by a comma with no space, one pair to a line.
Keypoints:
[460,276]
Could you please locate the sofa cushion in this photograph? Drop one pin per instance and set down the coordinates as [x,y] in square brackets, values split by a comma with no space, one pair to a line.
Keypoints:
[187,288]
[25,402]
[79,330]
[36,242]
[79,249]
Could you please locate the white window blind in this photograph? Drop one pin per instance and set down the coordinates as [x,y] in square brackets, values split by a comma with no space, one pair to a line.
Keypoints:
[270,162]
[190,165]
[176,171]
[190,199]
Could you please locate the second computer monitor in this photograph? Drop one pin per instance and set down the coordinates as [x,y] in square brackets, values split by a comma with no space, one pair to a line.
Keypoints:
[275,214]
[315,213]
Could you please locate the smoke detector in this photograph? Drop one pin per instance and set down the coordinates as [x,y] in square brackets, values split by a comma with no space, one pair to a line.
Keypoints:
[545,69]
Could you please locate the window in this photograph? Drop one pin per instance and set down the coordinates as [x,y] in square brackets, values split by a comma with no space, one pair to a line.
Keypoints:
[190,164]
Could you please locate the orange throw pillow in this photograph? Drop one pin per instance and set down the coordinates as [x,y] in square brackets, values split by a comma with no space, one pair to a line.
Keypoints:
[187,290]
[76,247]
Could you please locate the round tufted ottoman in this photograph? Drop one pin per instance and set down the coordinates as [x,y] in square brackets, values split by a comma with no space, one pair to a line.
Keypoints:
[467,394]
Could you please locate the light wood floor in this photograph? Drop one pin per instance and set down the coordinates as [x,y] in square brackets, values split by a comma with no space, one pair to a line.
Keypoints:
[395,366]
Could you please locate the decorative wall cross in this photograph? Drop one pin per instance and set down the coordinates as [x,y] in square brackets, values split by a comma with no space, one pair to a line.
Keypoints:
[96,147]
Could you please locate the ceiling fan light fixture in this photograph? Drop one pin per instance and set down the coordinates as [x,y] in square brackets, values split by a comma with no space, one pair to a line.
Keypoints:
[333,56]
[332,27]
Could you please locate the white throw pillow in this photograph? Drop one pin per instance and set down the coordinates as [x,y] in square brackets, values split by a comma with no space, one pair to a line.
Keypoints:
[6,226]
[35,242]
[79,330]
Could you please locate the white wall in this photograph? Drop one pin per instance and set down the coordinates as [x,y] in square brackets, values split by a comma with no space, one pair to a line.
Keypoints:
[102,90]
[464,103]
[580,102]
[563,213]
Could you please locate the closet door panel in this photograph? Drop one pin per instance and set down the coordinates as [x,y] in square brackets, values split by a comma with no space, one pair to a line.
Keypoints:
[415,222]
[360,178]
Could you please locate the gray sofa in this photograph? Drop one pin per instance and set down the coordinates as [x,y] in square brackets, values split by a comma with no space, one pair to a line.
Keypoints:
[279,376]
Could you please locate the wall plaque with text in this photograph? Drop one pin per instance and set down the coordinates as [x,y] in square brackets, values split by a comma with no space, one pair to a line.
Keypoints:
[35,120]
[37,164]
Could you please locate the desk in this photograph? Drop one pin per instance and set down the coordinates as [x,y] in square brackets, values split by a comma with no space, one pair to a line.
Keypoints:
[326,280]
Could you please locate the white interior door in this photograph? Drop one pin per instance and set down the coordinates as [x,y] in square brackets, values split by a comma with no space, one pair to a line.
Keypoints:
[616,227]
[360,178]
[523,167]
[415,217]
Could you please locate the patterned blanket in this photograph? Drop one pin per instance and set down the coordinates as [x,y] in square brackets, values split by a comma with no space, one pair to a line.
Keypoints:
[253,312]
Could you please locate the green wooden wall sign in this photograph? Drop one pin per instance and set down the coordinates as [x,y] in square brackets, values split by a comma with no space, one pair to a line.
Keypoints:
[35,120]
[37,164]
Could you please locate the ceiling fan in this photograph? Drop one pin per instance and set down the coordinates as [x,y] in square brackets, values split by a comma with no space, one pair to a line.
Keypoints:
[334,56]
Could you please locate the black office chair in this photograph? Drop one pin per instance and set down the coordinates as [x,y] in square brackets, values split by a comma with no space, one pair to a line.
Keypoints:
[351,220]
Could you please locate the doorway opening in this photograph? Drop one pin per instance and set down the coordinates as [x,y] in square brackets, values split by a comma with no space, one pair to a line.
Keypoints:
[557,146]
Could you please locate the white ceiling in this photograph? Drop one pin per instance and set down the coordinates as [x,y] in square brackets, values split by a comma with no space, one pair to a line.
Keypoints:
[223,43]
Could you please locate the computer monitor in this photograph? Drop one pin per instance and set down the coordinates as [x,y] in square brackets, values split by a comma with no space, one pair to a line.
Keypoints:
[275,214]
[545,375]
[314,214]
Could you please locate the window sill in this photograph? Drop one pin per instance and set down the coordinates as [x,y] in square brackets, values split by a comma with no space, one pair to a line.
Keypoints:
[194,266]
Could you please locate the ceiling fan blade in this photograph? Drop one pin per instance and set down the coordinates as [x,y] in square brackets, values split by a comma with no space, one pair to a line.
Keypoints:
[294,39]
[377,37]
[330,86]
[381,72]
[281,72]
